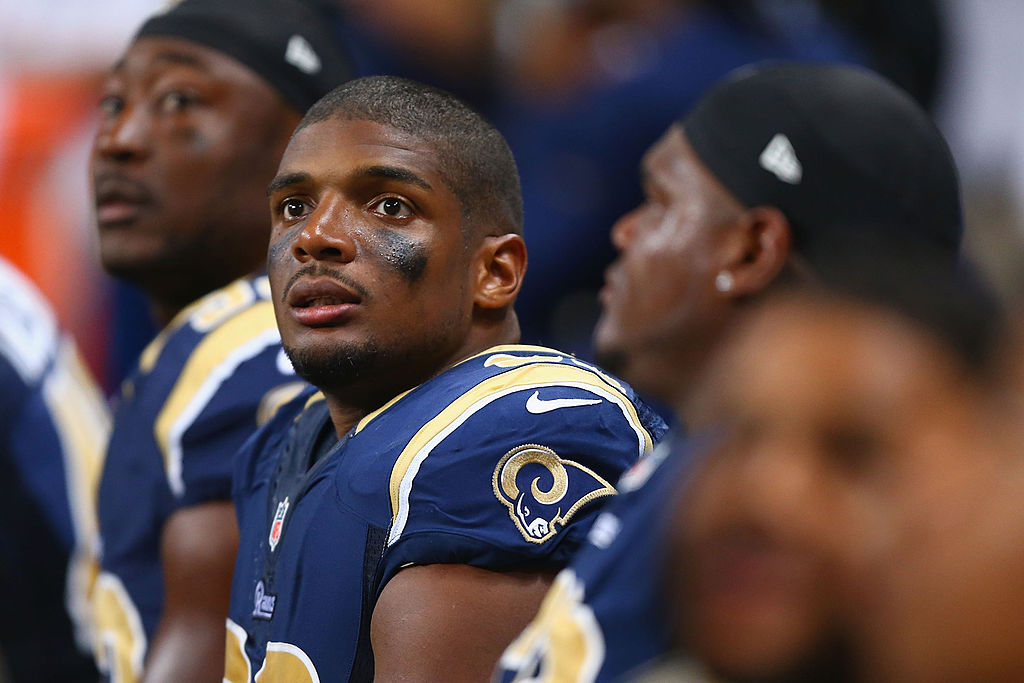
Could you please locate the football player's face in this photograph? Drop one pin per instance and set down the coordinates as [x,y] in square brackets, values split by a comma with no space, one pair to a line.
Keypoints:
[187,142]
[368,261]
[659,293]
[816,401]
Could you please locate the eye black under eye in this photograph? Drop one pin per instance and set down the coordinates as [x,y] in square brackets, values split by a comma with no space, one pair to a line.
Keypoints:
[111,105]
[391,206]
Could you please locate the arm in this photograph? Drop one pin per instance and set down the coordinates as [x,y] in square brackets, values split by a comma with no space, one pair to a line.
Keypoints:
[197,550]
[450,622]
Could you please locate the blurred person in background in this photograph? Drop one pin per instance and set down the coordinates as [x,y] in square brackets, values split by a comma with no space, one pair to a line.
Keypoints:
[580,89]
[772,170]
[584,87]
[194,118]
[52,60]
[817,404]
[53,429]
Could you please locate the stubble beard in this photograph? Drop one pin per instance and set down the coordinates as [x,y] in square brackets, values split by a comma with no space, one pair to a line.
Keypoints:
[338,366]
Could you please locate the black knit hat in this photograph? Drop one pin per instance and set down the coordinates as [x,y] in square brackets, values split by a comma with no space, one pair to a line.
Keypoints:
[838,149]
[288,43]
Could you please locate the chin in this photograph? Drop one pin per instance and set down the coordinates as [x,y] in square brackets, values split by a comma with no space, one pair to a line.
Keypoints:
[775,658]
[132,260]
[326,365]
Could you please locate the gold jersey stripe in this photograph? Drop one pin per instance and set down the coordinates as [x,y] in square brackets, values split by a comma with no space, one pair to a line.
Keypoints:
[211,363]
[204,313]
[82,420]
[526,376]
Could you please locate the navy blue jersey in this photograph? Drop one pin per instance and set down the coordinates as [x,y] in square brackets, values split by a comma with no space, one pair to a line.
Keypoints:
[604,618]
[53,429]
[498,463]
[200,389]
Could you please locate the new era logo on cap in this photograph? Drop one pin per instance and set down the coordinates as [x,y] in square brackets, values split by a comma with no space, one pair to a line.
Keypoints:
[301,55]
[779,159]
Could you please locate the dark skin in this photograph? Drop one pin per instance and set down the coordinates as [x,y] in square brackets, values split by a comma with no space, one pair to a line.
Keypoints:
[817,404]
[660,305]
[189,643]
[178,184]
[370,258]
[176,179]
[418,632]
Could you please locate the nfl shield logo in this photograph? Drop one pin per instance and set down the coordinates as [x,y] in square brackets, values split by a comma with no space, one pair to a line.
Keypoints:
[278,524]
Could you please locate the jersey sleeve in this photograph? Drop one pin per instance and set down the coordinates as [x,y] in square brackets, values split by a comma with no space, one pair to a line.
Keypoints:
[218,399]
[514,480]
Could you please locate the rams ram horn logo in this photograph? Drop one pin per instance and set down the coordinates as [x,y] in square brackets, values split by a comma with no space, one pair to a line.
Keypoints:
[542,491]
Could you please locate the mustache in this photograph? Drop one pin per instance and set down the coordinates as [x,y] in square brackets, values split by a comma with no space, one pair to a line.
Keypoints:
[113,183]
[319,270]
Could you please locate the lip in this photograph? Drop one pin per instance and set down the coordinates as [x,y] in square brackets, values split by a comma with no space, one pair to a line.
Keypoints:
[606,292]
[746,570]
[119,199]
[321,302]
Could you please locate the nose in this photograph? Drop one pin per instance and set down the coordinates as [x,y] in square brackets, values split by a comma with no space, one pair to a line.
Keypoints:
[124,136]
[624,229]
[780,480]
[325,236]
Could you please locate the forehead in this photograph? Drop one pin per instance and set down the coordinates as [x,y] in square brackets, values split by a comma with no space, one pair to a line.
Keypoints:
[334,149]
[151,57]
[827,360]
[672,166]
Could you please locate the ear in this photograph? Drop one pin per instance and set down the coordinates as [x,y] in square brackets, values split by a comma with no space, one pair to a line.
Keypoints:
[500,266]
[760,252]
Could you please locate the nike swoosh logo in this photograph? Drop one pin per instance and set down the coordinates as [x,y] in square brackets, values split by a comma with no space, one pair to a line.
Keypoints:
[537,405]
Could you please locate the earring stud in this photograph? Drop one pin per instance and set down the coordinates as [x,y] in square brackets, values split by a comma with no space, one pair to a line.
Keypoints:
[724,282]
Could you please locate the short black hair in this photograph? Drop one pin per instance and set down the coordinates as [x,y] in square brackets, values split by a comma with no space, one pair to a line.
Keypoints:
[475,160]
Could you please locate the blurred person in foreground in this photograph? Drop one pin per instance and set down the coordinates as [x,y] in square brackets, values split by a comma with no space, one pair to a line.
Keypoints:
[941,599]
[403,522]
[818,405]
[194,118]
[773,169]
[53,429]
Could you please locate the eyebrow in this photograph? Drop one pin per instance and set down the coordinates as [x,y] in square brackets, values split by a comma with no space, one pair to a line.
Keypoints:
[178,58]
[163,57]
[286,180]
[389,172]
[393,173]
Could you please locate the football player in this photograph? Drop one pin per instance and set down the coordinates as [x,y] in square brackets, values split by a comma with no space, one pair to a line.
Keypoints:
[405,521]
[822,404]
[774,168]
[53,431]
[194,118]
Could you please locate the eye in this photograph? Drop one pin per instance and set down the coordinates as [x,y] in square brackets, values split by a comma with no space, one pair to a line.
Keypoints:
[111,105]
[854,450]
[393,207]
[293,208]
[175,101]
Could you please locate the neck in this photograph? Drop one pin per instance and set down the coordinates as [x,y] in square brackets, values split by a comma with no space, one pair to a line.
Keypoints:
[355,400]
[164,310]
